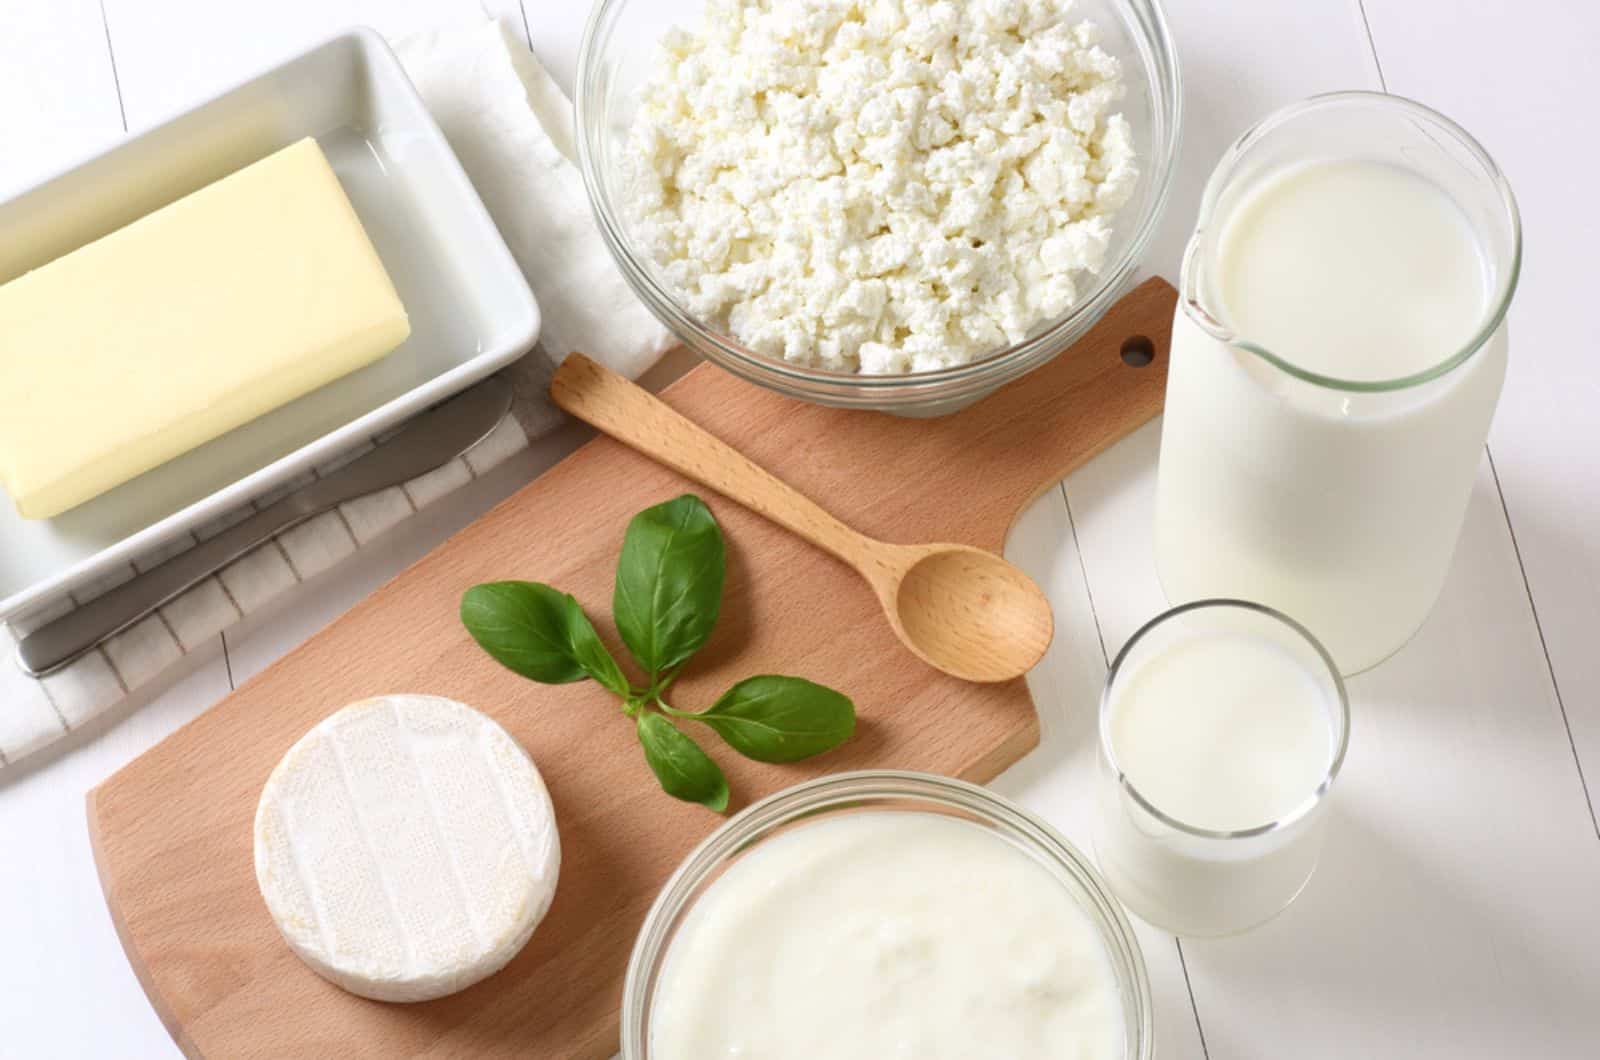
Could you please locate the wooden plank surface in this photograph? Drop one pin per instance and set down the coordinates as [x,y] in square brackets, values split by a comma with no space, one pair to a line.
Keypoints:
[58,103]
[1531,102]
[58,97]
[172,53]
[172,830]
[1516,74]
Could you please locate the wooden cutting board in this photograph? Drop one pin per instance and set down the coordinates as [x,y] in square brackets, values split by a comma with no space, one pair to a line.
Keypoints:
[172,831]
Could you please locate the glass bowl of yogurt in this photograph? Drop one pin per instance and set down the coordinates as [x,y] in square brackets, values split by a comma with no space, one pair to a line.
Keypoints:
[884,914]
[854,332]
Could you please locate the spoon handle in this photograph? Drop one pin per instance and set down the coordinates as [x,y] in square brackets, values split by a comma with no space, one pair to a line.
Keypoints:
[639,419]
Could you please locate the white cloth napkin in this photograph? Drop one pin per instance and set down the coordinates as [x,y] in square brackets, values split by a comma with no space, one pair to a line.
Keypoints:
[511,126]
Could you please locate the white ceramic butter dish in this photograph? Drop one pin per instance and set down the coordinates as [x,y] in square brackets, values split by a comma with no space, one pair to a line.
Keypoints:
[470,308]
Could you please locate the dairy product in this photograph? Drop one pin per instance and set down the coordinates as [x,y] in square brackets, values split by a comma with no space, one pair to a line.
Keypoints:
[887,934]
[183,325]
[1218,731]
[1355,269]
[406,847]
[1337,506]
[1223,731]
[879,186]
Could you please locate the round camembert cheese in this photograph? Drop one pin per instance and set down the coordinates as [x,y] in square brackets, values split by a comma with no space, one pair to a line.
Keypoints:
[406,847]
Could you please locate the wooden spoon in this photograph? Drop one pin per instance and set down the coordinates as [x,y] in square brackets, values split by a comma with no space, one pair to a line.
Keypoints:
[959,609]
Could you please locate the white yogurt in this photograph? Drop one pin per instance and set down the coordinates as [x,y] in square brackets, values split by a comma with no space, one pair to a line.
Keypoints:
[881,934]
[1340,508]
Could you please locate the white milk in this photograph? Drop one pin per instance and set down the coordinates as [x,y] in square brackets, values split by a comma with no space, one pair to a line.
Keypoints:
[1218,730]
[1338,507]
[1354,269]
[881,935]
[1224,732]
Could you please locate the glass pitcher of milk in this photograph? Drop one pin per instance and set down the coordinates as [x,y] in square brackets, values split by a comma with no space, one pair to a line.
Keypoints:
[1337,353]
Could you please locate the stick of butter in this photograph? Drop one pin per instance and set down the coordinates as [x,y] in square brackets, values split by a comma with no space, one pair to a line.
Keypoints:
[197,318]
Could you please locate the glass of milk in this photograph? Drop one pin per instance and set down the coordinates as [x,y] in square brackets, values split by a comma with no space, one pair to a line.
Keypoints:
[1337,353]
[1222,727]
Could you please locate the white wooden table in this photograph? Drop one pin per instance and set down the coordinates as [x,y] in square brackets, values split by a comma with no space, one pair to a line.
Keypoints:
[1457,910]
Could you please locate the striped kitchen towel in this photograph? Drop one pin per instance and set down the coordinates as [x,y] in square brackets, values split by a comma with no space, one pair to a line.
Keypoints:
[511,126]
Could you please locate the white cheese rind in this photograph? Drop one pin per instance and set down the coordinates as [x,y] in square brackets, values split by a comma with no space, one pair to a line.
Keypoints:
[406,847]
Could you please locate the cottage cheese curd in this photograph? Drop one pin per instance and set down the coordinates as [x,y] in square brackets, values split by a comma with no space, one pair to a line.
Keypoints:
[879,186]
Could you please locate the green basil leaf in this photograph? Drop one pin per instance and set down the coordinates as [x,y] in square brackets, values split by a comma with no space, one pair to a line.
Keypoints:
[524,626]
[685,771]
[538,632]
[781,719]
[669,583]
[590,652]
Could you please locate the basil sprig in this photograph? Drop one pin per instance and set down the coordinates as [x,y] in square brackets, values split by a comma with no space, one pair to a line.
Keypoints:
[667,600]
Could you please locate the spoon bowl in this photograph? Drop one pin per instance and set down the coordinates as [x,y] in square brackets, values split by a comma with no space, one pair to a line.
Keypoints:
[959,609]
[969,613]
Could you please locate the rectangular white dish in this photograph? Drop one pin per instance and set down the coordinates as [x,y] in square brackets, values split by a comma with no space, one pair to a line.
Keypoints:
[470,308]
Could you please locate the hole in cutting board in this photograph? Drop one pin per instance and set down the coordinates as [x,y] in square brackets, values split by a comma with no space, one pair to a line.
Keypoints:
[1138,351]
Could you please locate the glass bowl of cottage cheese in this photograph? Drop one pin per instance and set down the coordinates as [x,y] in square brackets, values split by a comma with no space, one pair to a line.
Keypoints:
[880,914]
[887,204]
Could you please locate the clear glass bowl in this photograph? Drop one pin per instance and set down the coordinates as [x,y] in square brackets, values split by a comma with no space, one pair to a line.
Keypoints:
[618,56]
[880,791]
